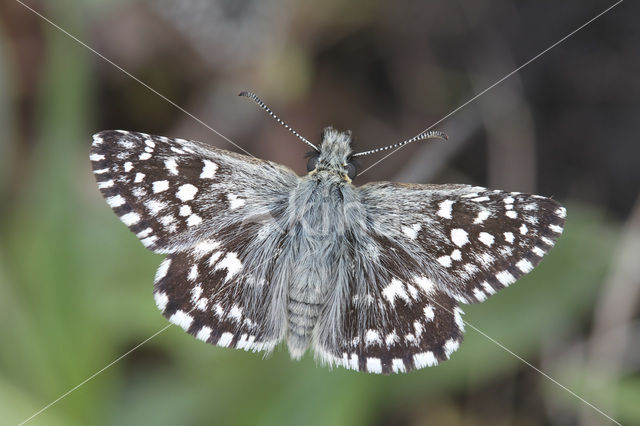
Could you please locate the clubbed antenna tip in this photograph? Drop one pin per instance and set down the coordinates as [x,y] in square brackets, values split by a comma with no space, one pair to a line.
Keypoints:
[429,134]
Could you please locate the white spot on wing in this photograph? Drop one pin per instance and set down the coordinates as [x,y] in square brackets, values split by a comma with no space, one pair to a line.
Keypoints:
[547,241]
[196,292]
[182,319]
[556,228]
[148,241]
[372,337]
[194,220]
[105,184]
[457,316]
[231,263]
[235,202]
[425,284]
[115,201]
[144,233]
[171,165]
[538,251]
[512,214]
[225,339]
[144,156]
[418,328]
[456,255]
[524,229]
[205,247]
[505,278]
[155,206]
[186,192]
[204,334]
[459,237]
[486,238]
[160,185]
[391,339]
[161,299]
[508,236]
[209,169]
[561,212]
[429,314]
[395,289]
[445,261]
[411,231]
[235,313]
[96,157]
[353,362]
[450,346]
[485,285]
[445,208]
[374,365]
[413,292]
[128,166]
[139,177]
[479,294]
[214,258]
[139,192]
[424,359]
[162,270]
[525,266]
[185,210]
[130,218]
[397,364]
[482,216]
[193,273]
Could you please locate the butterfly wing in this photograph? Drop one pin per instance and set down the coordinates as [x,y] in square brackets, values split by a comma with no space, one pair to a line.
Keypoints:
[438,245]
[214,212]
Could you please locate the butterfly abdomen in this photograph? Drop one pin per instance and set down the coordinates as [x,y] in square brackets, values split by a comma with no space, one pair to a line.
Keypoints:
[304,304]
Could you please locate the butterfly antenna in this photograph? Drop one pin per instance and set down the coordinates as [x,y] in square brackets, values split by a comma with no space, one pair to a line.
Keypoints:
[429,134]
[264,106]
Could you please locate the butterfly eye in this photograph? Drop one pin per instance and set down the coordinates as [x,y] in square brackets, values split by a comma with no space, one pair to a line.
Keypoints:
[311,164]
[350,168]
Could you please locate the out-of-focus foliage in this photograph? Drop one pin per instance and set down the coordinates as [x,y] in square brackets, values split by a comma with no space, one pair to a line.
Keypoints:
[75,285]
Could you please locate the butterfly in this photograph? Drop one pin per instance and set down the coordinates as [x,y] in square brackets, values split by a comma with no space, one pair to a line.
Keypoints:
[369,277]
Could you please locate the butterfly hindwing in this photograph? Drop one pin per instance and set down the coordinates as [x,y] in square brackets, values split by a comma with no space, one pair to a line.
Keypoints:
[412,325]
[206,291]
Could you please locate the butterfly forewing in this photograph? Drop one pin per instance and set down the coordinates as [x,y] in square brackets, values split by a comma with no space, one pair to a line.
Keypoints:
[173,193]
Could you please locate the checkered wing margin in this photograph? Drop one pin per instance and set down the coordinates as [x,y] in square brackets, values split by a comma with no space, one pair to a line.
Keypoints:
[204,207]
[437,245]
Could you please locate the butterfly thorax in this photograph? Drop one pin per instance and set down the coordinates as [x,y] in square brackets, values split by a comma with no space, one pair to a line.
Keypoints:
[333,158]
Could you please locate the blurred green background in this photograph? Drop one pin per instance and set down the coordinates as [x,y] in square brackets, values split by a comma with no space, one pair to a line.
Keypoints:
[75,285]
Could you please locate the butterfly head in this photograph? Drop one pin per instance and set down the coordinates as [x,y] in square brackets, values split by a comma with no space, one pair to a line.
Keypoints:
[334,156]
